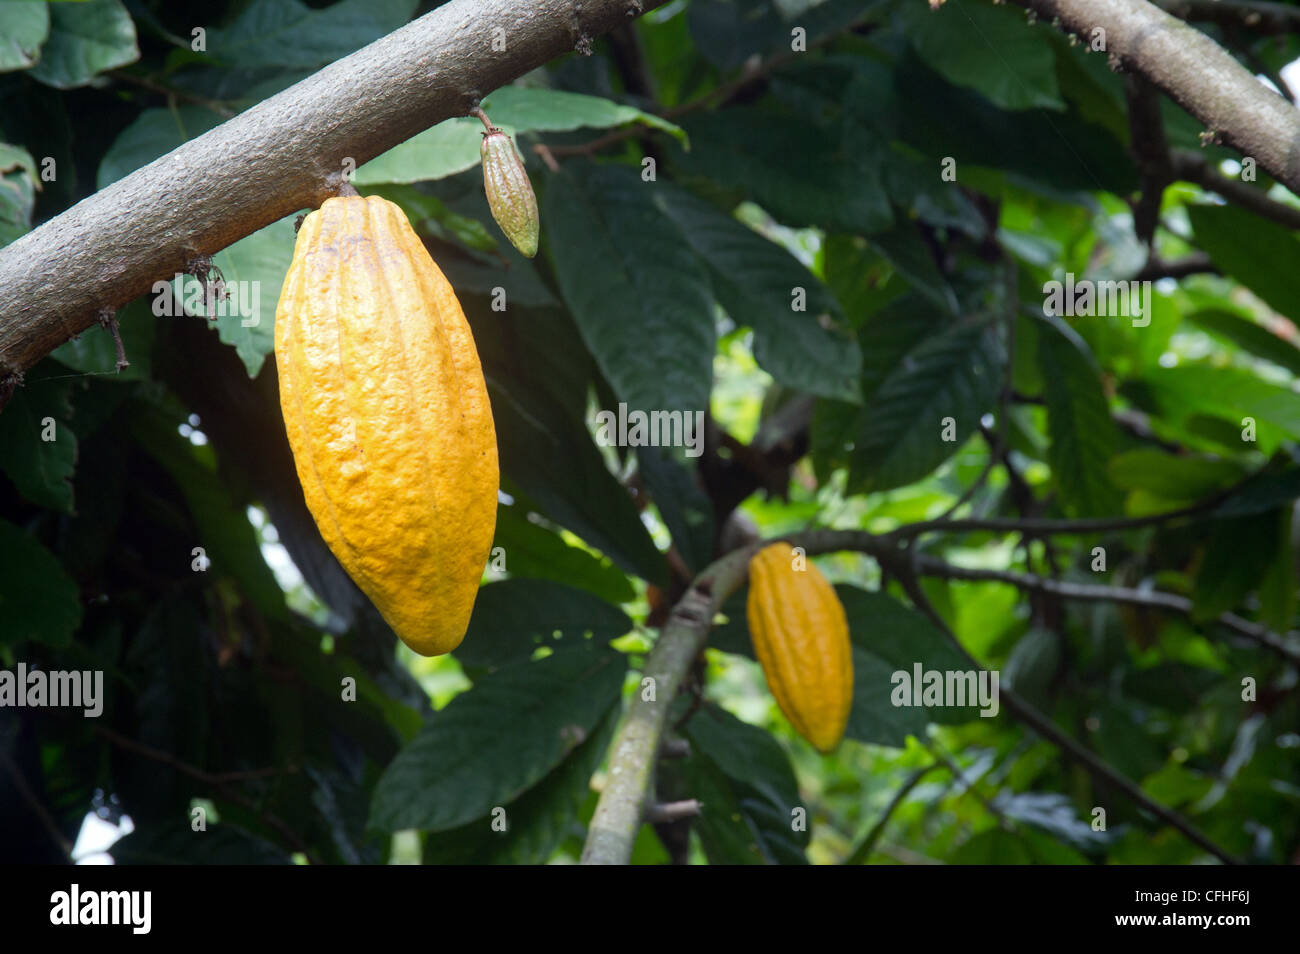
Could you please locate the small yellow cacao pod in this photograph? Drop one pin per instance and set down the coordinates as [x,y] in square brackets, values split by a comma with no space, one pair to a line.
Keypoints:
[388,417]
[509,193]
[801,639]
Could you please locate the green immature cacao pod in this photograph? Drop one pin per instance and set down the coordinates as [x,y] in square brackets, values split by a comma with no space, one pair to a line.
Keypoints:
[509,193]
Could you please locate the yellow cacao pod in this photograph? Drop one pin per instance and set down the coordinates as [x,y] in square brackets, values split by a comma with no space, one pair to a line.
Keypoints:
[388,417]
[509,192]
[801,638]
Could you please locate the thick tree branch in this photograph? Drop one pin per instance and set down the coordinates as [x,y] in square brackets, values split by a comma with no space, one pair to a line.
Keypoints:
[1195,71]
[283,155]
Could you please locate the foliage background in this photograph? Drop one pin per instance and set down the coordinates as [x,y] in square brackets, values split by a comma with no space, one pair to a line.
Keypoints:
[775,170]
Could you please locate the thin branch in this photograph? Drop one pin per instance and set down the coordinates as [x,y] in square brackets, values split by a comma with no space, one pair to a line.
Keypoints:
[1262,18]
[46,819]
[1279,643]
[1196,168]
[860,854]
[220,781]
[1197,263]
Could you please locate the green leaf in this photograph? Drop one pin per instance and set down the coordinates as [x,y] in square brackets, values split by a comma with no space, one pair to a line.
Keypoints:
[1083,435]
[1246,334]
[288,34]
[533,551]
[820,183]
[1172,476]
[903,248]
[254,269]
[755,281]
[85,39]
[640,297]
[1063,151]
[682,503]
[512,618]
[1236,557]
[883,629]
[450,147]
[1258,253]
[24,25]
[529,109]
[747,789]
[38,601]
[1032,665]
[1229,394]
[1277,589]
[900,437]
[874,718]
[498,740]
[988,49]
[557,464]
[154,133]
[537,821]
[174,843]
[41,469]
[224,532]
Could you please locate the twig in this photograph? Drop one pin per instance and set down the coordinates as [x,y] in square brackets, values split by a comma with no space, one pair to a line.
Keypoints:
[1196,168]
[46,819]
[1263,18]
[1094,592]
[672,811]
[860,854]
[220,781]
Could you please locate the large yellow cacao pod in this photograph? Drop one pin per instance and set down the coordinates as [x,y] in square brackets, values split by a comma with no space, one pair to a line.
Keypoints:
[388,417]
[801,638]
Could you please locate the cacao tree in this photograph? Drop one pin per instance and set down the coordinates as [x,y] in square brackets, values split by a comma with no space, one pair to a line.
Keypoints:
[975,320]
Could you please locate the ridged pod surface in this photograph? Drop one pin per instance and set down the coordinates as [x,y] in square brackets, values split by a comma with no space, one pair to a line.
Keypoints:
[801,638]
[388,417]
[509,192]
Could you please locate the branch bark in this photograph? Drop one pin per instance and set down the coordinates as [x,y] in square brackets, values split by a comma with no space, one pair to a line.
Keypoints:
[283,155]
[1195,72]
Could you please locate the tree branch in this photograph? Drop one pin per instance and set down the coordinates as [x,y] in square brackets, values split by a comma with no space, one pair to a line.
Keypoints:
[1195,71]
[1095,592]
[1194,167]
[283,155]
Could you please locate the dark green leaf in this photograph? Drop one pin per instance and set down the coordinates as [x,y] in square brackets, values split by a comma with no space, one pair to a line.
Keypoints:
[85,39]
[682,503]
[755,280]
[1236,556]
[533,551]
[1171,476]
[38,601]
[1258,253]
[38,449]
[640,297]
[512,618]
[952,375]
[1083,436]
[536,822]
[1246,334]
[493,743]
